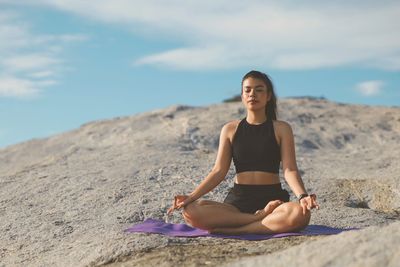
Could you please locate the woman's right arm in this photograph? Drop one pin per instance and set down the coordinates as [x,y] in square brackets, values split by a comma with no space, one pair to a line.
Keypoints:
[213,179]
[218,172]
[221,166]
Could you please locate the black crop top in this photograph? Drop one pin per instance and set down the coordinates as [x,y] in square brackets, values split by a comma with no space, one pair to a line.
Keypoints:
[254,147]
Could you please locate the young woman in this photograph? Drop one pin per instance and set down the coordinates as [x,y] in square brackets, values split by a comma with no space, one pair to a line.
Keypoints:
[257,203]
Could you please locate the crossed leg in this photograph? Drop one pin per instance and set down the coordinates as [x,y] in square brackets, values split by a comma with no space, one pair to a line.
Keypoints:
[208,214]
[224,218]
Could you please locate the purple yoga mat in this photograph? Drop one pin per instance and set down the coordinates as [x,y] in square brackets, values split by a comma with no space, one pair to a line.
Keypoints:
[184,230]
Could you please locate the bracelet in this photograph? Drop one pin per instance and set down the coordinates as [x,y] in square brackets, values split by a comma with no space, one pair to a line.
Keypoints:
[302,196]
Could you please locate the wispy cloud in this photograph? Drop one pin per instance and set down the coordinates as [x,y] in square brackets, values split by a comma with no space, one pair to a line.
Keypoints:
[16,87]
[275,34]
[370,88]
[29,62]
[42,74]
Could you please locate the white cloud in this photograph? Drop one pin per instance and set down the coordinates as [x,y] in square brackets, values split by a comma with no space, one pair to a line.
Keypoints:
[274,34]
[199,58]
[29,62]
[11,86]
[15,87]
[370,88]
[42,74]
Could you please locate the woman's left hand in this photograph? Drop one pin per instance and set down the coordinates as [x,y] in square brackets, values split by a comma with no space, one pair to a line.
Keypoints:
[309,202]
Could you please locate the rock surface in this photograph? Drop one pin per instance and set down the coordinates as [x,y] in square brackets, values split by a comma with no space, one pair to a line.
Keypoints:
[372,246]
[66,199]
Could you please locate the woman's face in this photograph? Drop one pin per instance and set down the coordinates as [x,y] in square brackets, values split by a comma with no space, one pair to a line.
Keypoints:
[255,94]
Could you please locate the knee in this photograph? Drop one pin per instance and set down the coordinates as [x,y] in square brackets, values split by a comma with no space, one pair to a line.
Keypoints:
[191,209]
[192,215]
[297,219]
[188,209]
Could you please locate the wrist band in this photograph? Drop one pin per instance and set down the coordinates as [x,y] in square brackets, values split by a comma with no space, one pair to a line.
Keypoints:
[302,196]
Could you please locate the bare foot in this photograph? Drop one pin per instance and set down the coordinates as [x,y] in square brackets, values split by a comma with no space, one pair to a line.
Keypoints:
[269,208]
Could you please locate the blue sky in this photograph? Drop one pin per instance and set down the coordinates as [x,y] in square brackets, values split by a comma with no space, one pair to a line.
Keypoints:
[65,63]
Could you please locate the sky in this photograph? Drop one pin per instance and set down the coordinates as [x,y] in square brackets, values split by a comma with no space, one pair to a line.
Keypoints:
[66,63]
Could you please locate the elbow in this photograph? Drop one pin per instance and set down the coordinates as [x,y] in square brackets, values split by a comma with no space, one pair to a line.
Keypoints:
[219,173]
[290,169]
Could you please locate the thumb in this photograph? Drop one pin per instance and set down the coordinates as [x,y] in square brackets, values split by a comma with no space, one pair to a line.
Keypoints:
[182,204]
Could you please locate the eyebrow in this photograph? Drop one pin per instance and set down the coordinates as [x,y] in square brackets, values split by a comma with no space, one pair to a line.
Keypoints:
[255,87]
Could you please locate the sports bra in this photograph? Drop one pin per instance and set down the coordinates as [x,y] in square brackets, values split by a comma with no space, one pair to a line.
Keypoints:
[254,147]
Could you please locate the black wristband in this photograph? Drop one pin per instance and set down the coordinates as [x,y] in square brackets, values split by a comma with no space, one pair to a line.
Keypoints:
[302,196]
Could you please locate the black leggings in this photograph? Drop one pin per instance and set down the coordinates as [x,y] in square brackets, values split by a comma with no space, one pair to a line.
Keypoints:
[249,198]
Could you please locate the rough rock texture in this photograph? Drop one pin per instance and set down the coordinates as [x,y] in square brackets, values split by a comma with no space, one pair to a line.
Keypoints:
[65,200]
[372,246]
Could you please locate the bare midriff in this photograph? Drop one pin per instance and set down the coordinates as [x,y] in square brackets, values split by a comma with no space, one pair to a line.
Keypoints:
[257,177]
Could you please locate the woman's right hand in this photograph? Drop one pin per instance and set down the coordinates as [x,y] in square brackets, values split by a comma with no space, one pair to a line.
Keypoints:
[179,202]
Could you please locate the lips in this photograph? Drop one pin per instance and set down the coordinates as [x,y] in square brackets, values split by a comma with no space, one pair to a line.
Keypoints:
[253,101]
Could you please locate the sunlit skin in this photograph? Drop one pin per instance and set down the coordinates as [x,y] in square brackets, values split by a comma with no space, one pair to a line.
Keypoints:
[277,216]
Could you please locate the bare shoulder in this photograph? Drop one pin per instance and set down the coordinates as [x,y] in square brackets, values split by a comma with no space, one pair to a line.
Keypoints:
[230,128]
[282,128]
[232,124]
[281,124]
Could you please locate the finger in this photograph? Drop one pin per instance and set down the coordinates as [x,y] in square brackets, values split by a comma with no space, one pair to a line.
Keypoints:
[180,205]
[310,205]
[313,201]
[169,211]
[304,209]
[315,204]
[173,207]
[307,204]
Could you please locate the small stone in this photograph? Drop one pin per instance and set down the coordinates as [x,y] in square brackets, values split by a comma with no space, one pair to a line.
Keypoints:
[58,222]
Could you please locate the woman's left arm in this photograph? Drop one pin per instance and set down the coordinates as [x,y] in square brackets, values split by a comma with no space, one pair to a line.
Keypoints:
[289,167]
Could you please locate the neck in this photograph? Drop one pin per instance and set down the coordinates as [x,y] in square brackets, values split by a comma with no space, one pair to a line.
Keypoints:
[256,116]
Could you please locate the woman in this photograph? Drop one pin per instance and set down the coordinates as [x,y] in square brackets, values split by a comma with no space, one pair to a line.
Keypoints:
[257,144]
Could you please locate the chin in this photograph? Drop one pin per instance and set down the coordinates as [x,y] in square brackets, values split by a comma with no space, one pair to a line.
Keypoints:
[255,107]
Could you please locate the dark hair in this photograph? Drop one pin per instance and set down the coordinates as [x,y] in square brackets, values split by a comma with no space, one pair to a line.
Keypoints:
[270,108]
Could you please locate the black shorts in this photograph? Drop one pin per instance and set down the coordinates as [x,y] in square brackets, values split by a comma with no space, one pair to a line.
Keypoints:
[249,198]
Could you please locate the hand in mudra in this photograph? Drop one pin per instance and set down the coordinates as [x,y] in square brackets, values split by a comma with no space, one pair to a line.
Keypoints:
[309,202]
[269,208]
[179,202]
